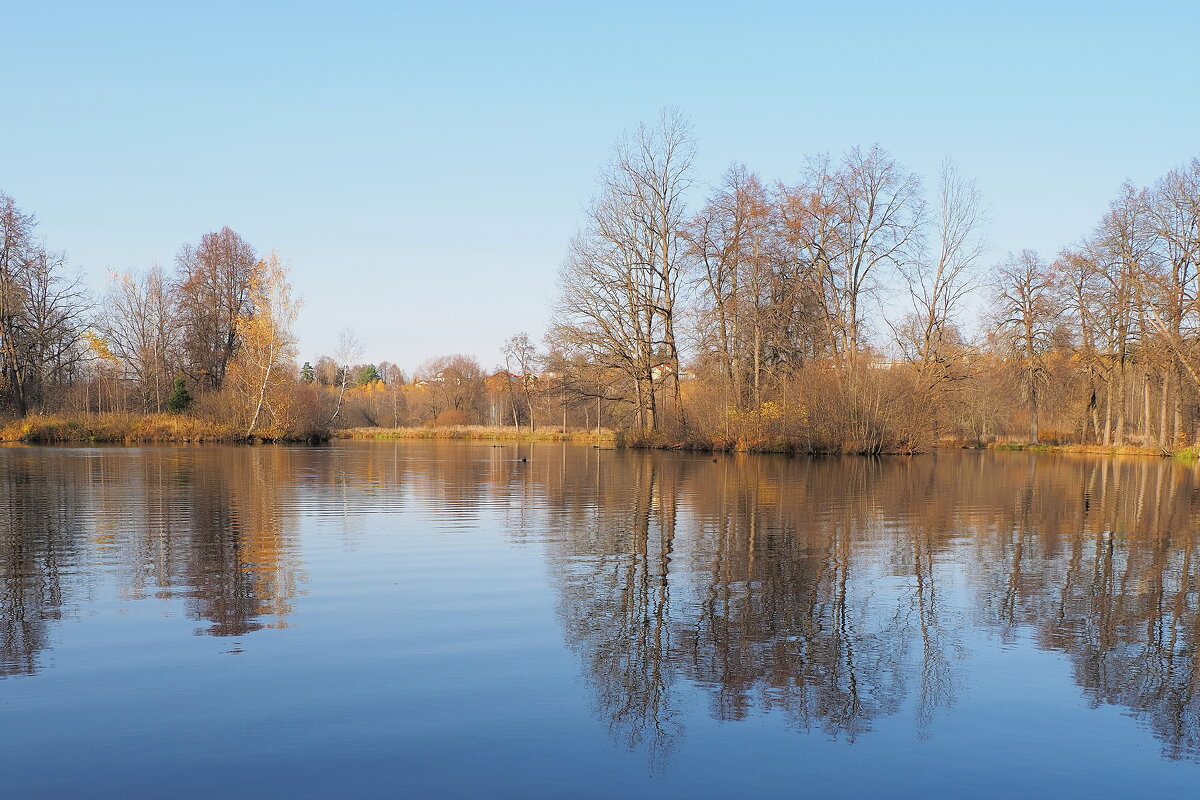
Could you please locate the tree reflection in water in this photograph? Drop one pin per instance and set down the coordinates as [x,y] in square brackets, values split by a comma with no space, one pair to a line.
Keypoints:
[38,549]
[818,588]
[832,591]
[197,524]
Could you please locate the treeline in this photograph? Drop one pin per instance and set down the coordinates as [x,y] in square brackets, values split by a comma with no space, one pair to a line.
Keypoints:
[786,295]
[828,313]
[213,338]
[204,351]
[453,390]
[821,314]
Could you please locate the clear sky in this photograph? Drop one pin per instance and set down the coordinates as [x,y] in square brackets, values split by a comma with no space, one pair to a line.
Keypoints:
[422,166]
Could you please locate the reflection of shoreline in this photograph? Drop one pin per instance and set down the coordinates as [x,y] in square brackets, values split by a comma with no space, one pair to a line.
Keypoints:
[205,523]
[813,587]
[40,544]
[216,525]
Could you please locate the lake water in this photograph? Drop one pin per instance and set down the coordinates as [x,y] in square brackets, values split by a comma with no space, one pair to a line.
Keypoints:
[445,619]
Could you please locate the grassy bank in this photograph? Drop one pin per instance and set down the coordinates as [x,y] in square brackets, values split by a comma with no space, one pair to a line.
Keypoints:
[118,428]
[149,428]
[1094,449]
[646,440]
[481,432]
[699,442]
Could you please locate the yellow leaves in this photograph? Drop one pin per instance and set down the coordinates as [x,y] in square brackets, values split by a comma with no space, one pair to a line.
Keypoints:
[769,411]
[375,387]
[261,378]
[98,347]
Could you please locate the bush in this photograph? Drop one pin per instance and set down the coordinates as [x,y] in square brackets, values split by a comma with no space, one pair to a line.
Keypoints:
[450,419]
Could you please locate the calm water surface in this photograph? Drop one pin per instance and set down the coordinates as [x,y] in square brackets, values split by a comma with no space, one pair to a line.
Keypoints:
[445,620]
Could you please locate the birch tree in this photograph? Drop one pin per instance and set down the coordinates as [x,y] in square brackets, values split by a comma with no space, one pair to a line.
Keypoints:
[348,351]
[264,371]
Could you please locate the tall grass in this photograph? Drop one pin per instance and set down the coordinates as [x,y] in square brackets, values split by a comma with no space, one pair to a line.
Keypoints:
[124,428]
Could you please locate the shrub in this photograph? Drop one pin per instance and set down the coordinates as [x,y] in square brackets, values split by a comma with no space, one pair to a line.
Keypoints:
[449,419]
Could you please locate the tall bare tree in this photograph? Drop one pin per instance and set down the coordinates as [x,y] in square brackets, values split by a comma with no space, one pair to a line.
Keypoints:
[141,327]
[43,312]
[1173,310]
[654,171]
[940,282]
[847,226]
[730,241]
[349,350]
[1026,315]
[621,281]
[1122,248]
[522,359]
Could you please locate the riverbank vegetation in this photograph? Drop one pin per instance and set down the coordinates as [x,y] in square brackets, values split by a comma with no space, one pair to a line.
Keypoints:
[206,353]
[825,311]
[117,428]
[483,433]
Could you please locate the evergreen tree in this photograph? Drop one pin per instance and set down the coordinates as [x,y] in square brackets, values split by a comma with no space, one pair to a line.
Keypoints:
[180,399]
[367,374]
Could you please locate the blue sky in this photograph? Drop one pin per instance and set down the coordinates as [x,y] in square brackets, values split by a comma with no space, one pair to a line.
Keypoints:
[422,166]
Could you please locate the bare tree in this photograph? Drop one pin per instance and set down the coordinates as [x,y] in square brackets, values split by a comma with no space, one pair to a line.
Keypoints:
[619,286]
[1174,207]
[16,243]
[42,313]
[1080,292]
[521,353]
[1122,249]
[1026,313]
[140,325]
[653,170]
[349,350]
[56,316]
[938,284]
[395,380]
[455,388]
[730,244]
[214,295]
[846,226]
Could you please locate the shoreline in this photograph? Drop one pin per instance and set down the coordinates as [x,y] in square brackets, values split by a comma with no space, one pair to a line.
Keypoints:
[481,433]
[128,428]
[1185,453]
